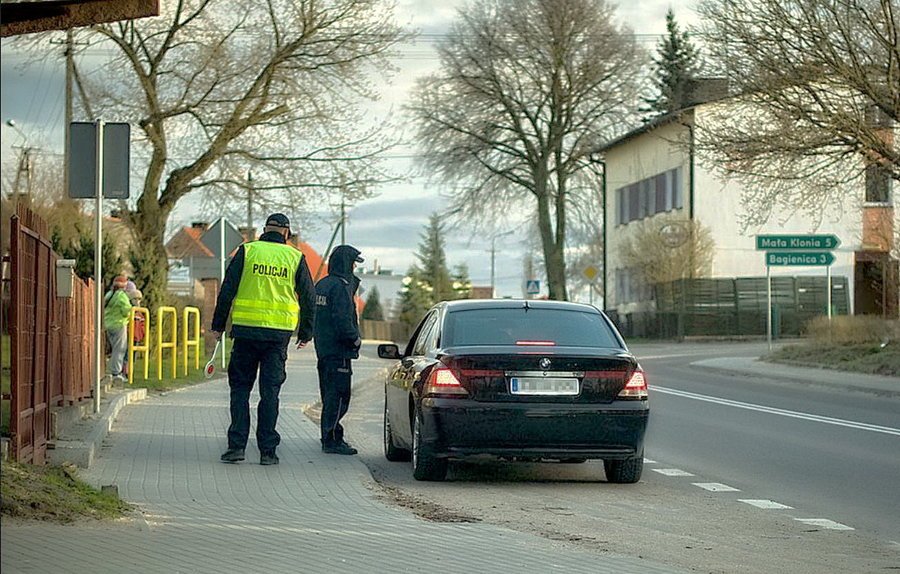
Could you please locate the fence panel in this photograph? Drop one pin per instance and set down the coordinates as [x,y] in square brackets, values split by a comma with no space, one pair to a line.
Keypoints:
[50,338]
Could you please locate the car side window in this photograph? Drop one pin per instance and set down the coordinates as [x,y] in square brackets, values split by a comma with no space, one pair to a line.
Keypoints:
[425,335]
[434,336]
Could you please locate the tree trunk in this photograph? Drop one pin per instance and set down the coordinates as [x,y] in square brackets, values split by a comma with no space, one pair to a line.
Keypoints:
[148,254]
[554,259]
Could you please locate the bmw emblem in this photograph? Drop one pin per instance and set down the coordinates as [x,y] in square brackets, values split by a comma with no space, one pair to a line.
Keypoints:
[545,363]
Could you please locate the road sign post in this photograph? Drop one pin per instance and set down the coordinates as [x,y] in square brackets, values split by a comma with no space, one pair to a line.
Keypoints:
[796,251]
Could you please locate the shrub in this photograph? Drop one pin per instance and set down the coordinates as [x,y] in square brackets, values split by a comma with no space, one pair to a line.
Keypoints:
[851,330]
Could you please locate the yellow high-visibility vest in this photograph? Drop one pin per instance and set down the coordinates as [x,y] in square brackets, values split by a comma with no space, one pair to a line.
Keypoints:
[266,295]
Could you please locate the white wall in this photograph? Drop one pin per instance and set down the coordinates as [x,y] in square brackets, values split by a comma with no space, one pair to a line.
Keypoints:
[718,206]
[640,157]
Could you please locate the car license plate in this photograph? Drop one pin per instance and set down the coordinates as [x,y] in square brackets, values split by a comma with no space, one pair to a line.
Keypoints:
[543,386]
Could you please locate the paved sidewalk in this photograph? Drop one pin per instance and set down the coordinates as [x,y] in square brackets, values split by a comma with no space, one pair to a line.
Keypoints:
[312,513]
[880,385]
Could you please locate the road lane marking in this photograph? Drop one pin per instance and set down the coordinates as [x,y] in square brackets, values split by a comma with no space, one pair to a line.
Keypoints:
[824,523]
[672,472]
[648,461]
[775,411]
[766,504]
[716,487]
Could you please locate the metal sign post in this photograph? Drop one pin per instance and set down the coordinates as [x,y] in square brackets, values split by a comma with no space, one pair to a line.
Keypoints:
[796,250]
[98,164]
[769,306]
[222,256]
[98,269]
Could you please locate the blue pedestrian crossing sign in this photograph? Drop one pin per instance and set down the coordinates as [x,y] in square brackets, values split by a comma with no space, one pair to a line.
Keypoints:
[533,287]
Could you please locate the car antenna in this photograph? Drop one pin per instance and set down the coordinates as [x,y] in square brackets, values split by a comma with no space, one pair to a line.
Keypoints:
[526,306]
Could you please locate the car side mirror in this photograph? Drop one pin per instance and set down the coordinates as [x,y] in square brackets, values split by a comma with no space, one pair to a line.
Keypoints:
[389,351]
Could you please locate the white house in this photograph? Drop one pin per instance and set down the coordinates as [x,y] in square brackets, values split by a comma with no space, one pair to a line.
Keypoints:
[653,178]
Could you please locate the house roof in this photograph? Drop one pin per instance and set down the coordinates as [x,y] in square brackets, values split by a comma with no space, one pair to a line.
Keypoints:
[317,266]
[656,122]
[186,243]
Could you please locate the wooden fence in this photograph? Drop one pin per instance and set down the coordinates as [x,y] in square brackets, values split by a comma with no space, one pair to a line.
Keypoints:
[51,338]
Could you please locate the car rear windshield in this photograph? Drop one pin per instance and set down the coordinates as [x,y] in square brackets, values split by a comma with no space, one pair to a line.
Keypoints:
[522,326]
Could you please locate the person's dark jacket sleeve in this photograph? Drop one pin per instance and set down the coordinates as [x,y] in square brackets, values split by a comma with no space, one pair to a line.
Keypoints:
[228,291]
[343,312]
[306,293]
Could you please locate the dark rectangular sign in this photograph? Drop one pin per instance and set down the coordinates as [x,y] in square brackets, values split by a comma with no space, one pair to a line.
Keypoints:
[83,160]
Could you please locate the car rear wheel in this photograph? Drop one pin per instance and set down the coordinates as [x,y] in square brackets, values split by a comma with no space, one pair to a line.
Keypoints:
[624,471]
[391,452]
[425,465]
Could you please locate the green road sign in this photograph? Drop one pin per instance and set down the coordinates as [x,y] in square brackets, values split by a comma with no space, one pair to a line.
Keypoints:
[792,242]
[799,258]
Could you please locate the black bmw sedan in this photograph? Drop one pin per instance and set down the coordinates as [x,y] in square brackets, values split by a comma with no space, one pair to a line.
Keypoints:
[518,380]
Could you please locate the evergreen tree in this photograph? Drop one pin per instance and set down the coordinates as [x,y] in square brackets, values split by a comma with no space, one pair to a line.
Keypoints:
[373,311]
[676,66]
[415,298]
[433,260]
[81,249]
[462,285]
[430,281]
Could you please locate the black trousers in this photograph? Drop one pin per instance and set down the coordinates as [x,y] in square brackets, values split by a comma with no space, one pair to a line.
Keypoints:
[247,358]
[334,388]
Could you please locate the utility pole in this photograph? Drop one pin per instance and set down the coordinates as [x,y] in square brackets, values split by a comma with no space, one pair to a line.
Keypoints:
[70,78]
[343,212]
[493,265]
[249,200]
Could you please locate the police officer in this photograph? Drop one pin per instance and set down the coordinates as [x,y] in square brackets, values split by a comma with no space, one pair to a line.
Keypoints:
[337,343]
[269,292]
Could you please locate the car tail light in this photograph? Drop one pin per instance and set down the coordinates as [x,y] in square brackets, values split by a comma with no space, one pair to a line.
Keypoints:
[443,381]
[636,388]
[536,343]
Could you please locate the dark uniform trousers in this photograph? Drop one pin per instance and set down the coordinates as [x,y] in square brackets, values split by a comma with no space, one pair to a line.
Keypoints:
[247,358]
[334,386]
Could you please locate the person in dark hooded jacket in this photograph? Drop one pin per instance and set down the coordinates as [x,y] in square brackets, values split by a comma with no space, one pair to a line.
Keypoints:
[337,343]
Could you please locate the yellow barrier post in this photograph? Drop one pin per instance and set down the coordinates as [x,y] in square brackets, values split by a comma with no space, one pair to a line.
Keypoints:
[171,343]
[186,341]
[143,348]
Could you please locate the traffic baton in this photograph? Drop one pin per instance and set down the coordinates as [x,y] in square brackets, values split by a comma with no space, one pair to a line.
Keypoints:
[210,369]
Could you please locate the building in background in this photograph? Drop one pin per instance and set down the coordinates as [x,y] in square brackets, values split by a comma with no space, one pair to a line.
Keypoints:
[388,284]
[655,183]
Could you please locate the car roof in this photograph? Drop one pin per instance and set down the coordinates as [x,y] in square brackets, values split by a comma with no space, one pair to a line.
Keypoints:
[471,304]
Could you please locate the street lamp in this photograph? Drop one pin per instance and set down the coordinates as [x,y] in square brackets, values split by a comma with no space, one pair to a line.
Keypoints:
[24,161]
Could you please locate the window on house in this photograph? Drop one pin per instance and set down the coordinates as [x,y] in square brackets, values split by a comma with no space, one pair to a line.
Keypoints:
[634,202]
[677,196]
[660,192]
[878,184]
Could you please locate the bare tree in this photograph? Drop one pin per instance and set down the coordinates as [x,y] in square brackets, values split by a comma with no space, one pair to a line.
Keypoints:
[666,249]
[526,90]
[819,97]
[217,90]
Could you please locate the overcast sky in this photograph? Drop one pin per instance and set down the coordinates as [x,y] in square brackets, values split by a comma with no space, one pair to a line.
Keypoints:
[386,227]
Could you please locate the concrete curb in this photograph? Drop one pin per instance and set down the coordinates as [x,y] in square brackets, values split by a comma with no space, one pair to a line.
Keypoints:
[82,453]
[873,384]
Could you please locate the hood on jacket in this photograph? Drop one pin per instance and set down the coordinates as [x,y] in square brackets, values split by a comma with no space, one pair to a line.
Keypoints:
[340,262]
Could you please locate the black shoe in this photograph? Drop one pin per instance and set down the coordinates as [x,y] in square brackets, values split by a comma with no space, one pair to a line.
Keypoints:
[233,455]
[339,448]
[268,458]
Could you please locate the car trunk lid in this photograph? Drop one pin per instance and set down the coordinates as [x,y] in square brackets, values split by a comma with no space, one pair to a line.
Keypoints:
[541,374]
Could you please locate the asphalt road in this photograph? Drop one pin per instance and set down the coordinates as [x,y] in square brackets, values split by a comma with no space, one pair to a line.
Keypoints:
[815,450]
[830,463]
